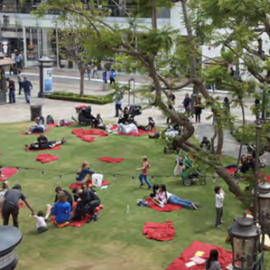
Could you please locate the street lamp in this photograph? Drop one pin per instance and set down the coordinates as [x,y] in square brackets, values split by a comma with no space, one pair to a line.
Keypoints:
[245,242]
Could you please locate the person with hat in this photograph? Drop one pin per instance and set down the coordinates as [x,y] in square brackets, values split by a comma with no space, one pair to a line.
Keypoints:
[11,205]
[90,200]
[27,87]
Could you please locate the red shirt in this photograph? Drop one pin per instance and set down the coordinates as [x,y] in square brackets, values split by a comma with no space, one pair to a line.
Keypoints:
[146,166]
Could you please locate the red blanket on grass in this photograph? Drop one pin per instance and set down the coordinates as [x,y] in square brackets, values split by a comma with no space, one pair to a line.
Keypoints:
[159,231]
[87,138]
[261,175]
[140,132]
[44,158]
[8,172]
[167,207]
[24,133]
[224,258]
[83,221]
[20,205]
[58,147]
[55,124]
[82,132]
[89,182]
[111,160]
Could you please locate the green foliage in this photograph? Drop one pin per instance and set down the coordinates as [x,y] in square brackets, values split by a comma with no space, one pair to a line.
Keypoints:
[61,95]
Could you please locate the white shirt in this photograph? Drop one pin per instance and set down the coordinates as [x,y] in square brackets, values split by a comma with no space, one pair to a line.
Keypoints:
[220,199]
[40,222]
[168,195]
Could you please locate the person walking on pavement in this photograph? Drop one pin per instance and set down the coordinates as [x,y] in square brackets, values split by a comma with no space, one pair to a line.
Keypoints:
[11,87]
[112,76]
[95,70]
[105,80]
[20,80]
[88,69]
[27,87]
[11,205]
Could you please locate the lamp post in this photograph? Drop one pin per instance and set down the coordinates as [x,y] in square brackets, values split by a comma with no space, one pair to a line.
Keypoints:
[245,242]
[131,83]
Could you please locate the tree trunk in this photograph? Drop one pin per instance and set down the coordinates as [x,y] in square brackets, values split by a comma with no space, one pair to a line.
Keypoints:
[154,14]
[244,125]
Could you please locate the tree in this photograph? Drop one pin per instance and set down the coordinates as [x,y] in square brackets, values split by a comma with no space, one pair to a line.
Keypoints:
[183,52]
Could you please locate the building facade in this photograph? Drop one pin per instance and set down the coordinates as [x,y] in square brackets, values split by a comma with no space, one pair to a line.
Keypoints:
[32,37]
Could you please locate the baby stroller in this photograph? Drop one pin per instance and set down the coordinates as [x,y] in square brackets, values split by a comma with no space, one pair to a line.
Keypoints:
[169,134]
[191,175]
[85,118]
[135,110]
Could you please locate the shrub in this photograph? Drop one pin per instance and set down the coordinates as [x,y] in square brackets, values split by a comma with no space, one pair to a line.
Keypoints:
[69,96]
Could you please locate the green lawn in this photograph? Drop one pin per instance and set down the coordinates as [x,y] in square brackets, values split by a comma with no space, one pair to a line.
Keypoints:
[116,240]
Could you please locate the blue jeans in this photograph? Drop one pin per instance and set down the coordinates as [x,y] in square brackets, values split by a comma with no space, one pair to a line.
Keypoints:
[143,178]
[173,199]
[89,75]
[37,129]
[27,95]
[12,96]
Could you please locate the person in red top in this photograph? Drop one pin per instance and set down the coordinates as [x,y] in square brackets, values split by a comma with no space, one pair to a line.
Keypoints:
[143,176]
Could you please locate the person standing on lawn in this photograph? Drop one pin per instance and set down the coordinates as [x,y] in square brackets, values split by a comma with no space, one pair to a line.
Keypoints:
[11,87]
[27,87]
[11,205]
[219,205]
[143,176]
[20,80]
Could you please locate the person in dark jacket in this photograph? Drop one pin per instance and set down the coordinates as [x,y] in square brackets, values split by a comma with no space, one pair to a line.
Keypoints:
[205,144]
[198,109]
[27,87]
[90,201]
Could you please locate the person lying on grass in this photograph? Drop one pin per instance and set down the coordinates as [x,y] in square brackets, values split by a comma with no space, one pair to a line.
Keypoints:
[38,127]
[90,201]
[44,144]
[84,173]
[61,210]
[163,197]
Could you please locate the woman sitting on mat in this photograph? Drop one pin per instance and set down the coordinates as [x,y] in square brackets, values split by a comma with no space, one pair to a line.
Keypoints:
[212,262]
[61,210]
[150,126]
[98,123]
[163,197]
[243,166]
[84,173]
[44,144]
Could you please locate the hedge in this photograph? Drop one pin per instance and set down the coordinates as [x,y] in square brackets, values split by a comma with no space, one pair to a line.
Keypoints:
[69,96]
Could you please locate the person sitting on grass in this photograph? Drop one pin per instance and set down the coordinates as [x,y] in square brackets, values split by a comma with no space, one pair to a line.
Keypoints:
[98,123]
[41,222]
[90,201]
[64,123]
[84,173]
[150,126]
[212,262]
[163,197]
[205,144]
[61,210]
[44,145]
[156,135]
[243,166]
[59,190]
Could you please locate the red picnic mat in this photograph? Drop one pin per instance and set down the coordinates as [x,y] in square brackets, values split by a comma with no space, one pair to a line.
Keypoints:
[8,172]
[44,158]
[224,258]
[24,133]
[83,221]
[89,182]
[57,147]
[87,138]
[111,160]
[140,132]
[167,207]
[84,132]
[159,231]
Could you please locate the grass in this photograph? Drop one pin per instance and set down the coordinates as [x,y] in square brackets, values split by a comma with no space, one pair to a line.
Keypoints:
[116,240]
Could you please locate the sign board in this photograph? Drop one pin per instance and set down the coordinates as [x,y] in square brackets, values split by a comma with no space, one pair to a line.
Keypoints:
[47,80]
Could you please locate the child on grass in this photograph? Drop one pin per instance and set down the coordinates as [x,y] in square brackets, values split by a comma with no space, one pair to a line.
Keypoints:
[219,205]
[143,176]
[41,222]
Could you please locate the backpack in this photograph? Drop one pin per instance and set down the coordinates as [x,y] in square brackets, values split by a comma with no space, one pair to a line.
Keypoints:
[49,120]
